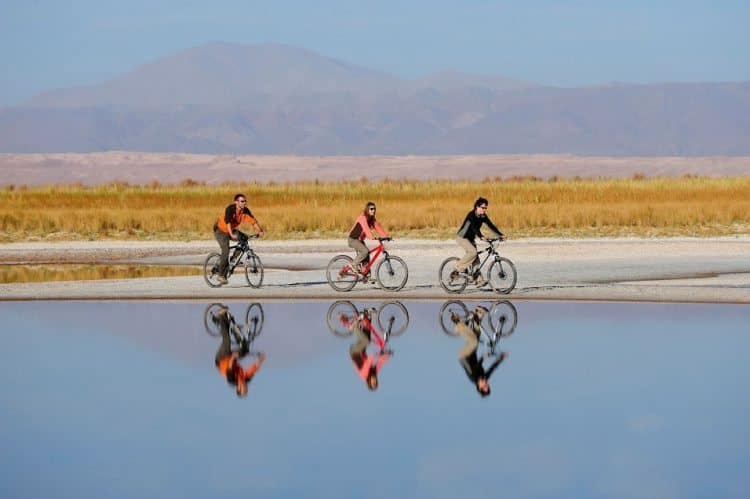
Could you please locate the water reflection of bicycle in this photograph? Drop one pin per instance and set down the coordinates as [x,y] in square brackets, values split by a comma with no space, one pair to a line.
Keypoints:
[457,320]
[344,319]
[236,343]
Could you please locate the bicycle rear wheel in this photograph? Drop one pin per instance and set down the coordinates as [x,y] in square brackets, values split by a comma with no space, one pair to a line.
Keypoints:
[339,310]
[341,274]
[502,275]
[211,270]
[455,283]
[393,314]
[254,320]
[212,328]
[392,273]
[503,318]
[253,270]
[450,310]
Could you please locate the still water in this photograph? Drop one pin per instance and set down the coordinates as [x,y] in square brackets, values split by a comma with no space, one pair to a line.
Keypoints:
[124,399]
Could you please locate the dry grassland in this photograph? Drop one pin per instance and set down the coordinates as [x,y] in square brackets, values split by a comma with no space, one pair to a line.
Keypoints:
[522,207]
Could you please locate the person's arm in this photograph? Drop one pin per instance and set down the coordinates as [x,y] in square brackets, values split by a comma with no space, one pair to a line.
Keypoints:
[228,217]
[250,371]
[379,228]
[494,365]
[249,218]
[493,228]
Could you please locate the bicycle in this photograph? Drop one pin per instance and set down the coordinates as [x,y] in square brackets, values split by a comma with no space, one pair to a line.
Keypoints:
[502,320]
[248,331]
[391,272]
[501,274]
[392,319]
[240,253]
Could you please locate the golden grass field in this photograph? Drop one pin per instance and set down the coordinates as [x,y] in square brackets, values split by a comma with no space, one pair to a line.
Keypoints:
[522,207]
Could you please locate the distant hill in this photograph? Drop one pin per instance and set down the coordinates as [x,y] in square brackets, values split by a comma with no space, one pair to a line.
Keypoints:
[276,99]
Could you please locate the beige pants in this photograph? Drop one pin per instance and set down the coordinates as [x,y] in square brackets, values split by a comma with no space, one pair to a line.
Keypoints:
[470,258]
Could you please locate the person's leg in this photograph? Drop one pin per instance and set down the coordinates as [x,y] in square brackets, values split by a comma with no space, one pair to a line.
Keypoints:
[470,254]
[363,254]
[223,239]
[363,339]
[471,338]
[225,349]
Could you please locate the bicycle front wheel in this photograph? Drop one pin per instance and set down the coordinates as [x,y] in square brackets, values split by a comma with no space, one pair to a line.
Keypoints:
[449,281]
[340,273]
[393,315]
[392,273]
[503,318]
[211,270]
[254,320]
[451,312]
[253,270]
[502,275]
[340,315]
[209,319]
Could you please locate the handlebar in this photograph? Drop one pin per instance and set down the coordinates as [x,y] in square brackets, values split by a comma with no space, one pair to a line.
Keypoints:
[383,239]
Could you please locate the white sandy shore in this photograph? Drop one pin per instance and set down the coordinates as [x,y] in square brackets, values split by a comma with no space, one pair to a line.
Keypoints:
[674,269]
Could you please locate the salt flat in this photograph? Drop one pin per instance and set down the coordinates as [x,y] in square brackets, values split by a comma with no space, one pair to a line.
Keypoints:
[666,269]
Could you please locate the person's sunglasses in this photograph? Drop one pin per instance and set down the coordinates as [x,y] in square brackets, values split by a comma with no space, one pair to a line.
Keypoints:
[242,200]
[484,207]
[372,209]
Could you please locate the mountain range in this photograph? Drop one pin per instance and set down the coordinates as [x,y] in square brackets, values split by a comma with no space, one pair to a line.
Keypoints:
[276,99]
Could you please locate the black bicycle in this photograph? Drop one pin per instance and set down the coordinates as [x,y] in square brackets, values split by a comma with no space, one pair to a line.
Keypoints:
[501,273]
[499,322]
[240,254]
[248,331]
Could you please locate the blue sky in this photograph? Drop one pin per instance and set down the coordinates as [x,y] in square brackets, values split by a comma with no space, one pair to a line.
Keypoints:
[50,44]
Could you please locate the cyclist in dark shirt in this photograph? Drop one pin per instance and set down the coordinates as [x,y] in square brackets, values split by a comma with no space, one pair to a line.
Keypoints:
[468,233]
[224,230]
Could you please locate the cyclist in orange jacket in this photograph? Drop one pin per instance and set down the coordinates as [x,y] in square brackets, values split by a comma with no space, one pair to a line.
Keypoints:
[228,361]
[224,230]
[361,230]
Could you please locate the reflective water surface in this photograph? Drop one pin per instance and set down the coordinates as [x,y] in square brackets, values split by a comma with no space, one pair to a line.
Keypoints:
[373,399]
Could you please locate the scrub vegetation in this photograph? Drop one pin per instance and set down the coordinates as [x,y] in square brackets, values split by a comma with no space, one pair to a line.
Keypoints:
[521,207]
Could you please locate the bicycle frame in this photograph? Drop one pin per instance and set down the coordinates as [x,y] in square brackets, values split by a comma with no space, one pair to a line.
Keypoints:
[491,251]
[244,247]
[378,250]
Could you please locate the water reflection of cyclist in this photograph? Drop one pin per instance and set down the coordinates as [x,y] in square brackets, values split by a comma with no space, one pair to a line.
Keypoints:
[361,230]
[468,355]
[228,361]
[367,365]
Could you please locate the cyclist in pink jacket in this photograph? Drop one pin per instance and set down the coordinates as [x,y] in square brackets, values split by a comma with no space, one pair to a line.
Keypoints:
[362,230]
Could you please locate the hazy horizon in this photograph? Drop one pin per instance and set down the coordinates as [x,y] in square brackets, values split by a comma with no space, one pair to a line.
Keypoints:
[46,46]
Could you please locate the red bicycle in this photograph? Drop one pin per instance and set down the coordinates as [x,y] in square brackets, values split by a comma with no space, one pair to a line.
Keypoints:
[391,271]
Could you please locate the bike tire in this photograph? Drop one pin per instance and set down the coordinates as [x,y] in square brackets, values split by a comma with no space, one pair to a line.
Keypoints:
[450,307]
[502,275]
[503,318]
[392,273]
[340,273]
[253,270]
[337,308]
[211,327]
[455,285]
[211,269]
[395,314]
[254,318]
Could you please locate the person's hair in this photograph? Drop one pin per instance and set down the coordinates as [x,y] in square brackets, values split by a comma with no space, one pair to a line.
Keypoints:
[480,392]
[479,202]
[366,210]
[240,195]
